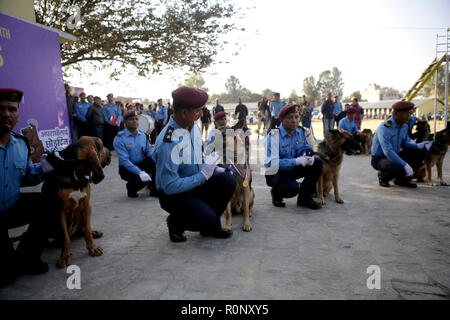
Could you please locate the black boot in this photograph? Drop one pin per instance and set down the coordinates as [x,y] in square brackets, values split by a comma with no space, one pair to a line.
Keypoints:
[405,182]
[131,193]
[308,202]
[382,181]
[221,234]
[175,234]
[277,201]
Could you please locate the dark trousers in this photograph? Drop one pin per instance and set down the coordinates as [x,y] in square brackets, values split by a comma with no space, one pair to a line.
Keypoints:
[73,128]
[97,131]
[390,170]
[109,135]
[200,209]
[134,182]
[159,125]
[41,213]
[284,183]
[274,122]
[83,129]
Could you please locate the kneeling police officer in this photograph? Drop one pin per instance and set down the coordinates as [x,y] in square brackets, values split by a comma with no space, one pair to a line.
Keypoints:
[394,155]
[192,189]
[288,158]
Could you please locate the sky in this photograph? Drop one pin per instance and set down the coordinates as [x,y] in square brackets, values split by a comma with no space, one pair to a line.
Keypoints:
[387,42]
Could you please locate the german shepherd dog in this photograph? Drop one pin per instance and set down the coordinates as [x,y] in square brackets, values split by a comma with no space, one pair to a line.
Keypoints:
[422,131]
[244,195]
[365,140]
[436,156]
[331,152]
[75,167]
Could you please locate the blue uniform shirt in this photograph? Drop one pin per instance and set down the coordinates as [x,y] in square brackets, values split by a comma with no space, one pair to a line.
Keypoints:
[132,149]
[81,108]
[178,156]
[275,107]
[109,110]
[337,107]
[348,125]
[289,148]
[16,171]
[161,113]
[389,139]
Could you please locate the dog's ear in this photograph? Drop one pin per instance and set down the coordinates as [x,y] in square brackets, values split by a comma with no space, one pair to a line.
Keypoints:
[89,154]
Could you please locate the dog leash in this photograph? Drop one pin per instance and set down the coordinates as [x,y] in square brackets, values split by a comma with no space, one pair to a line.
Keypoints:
[239,173]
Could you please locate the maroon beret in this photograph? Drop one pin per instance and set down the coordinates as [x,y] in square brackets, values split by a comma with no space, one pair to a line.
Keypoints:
[290,108]
[220,115]
[9,94]
[130,113]
[189,97]
[351,110]
[403,105]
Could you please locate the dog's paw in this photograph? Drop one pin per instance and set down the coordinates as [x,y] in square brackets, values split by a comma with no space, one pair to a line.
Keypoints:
[96,234]
[322,202]
[431,184]
[247,227]
[64,260]
[95,251]
[443,183]
[227,227]
[339,200]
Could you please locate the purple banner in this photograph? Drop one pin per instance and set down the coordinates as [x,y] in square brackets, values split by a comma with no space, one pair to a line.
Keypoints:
[30,60]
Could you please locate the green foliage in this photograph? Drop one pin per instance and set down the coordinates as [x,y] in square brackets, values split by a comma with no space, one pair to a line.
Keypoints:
[147,34]
[329,81]
[195,81]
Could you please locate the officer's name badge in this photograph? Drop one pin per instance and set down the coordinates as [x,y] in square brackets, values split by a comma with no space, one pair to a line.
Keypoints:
[129,144]
[300,142]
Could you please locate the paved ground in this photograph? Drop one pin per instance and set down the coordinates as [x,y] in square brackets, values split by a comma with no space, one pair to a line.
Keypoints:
[292,252]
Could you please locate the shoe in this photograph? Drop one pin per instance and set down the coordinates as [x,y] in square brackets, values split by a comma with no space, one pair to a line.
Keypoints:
[382,181]
[277,202]
[34,268]
[221,234]
[308,202]
[132,194]
[405,183]
[175,235]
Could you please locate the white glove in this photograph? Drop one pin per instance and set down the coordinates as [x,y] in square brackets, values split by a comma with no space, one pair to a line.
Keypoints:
[222,170]
[303,160]
[311,161]
[424,145]
[409,171]
[45,165]
[210,165]
[144,176]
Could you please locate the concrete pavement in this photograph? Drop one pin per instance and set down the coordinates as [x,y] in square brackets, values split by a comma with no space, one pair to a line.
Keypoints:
[292,252]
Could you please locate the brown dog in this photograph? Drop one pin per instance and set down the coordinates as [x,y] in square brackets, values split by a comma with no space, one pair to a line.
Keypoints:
[75,167]
[436,156]
[244,195]
[331,152]
[365,139]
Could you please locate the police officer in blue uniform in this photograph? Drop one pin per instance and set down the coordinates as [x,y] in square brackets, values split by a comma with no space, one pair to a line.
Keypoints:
[16,208]
[288,158]
[113,117]
[394,155]
[135,156]
[161,117]
[192,189]
[348,123]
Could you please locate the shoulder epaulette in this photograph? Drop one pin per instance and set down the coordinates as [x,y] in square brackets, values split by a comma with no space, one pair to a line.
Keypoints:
[168,135]
[20,136]
[388,123]
[301,127]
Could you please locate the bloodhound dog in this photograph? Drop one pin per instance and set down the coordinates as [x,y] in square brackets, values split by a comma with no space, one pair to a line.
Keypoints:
[75,167]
